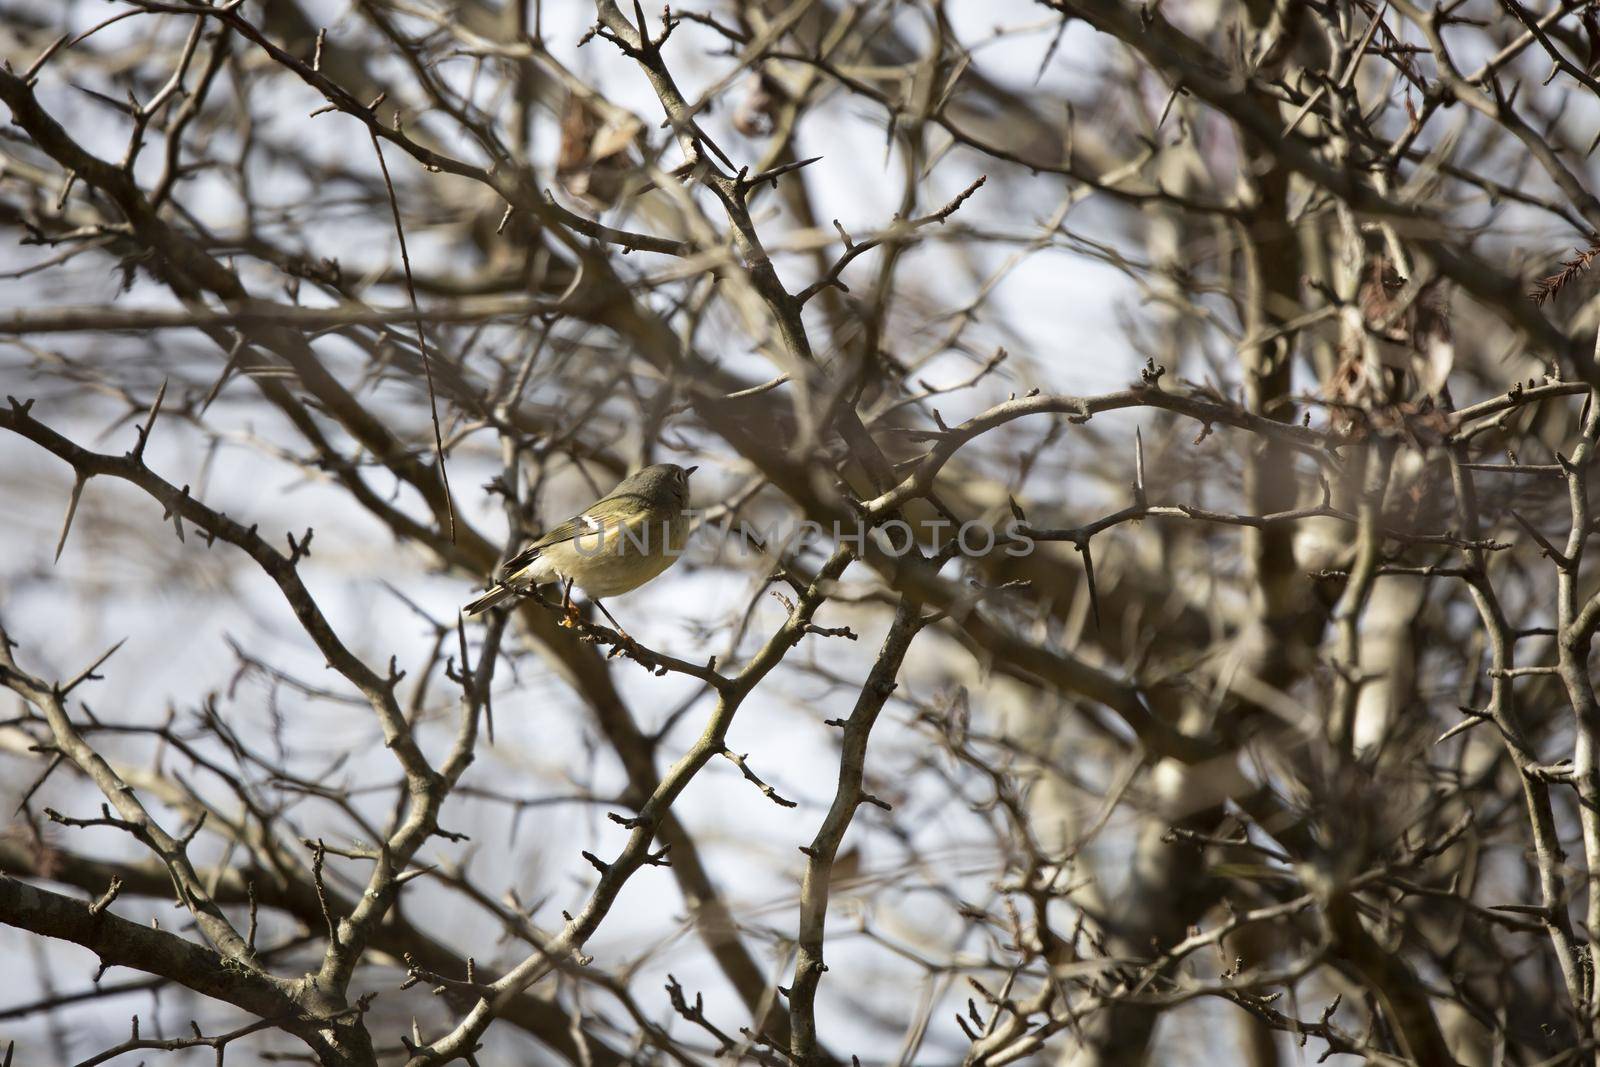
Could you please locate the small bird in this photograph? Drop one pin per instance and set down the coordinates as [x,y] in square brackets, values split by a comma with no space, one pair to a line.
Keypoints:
[613,546]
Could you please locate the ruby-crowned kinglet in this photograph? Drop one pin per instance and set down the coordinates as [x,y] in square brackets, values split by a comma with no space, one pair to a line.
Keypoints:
[615,545]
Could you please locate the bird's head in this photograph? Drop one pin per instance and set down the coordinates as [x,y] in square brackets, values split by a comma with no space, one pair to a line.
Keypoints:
[666,482]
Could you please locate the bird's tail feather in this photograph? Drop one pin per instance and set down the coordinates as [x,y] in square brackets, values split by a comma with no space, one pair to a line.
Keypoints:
[490,599]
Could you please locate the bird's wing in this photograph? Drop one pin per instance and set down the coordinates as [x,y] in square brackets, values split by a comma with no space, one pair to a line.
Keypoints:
[603,518]
[567,531]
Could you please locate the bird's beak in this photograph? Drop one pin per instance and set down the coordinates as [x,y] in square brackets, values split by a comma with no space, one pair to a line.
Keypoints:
[690,470]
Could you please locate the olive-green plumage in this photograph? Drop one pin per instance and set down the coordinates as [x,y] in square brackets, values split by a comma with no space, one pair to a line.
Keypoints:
[615,545]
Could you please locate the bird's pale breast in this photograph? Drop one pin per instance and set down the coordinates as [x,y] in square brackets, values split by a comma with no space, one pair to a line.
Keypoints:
[615,561]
